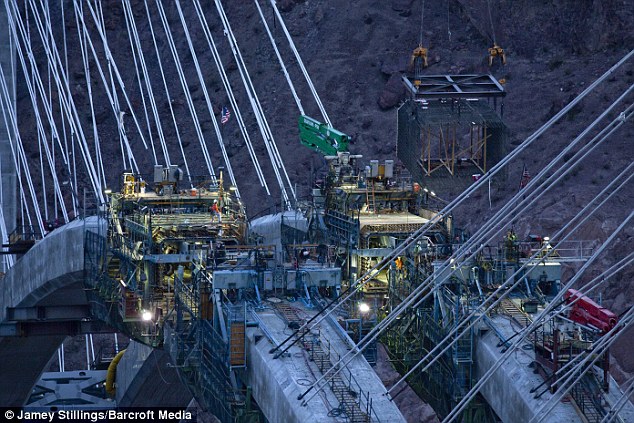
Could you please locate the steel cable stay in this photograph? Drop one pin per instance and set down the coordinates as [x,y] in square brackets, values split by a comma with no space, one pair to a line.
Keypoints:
[167,92]
[19,156]
[118,113]
[64,150]
[484,378]
[183,81]
[82,37]
[280,60]
[474,241]
[258,111]
[16,157]
[37,79]
[72,176]
[42,137]
[136,42]
[265,130]
[111,62]
[69,106]
[300,63]
[230,95]
[422,20]
[46,45]
[50,105]
[63,89]
[616,408]
[201,79]
[135,47]
[375,332]
[112,91]
[576,372]
[33,71]
[422,231]
[83,47]
[136,51]
[491,22]
[65,68]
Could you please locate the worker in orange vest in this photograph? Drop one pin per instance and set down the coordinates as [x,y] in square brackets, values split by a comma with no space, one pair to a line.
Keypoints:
[215,212]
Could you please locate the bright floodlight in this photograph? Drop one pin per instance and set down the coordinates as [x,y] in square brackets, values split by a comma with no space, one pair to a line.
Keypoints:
[146,315]
[364,308]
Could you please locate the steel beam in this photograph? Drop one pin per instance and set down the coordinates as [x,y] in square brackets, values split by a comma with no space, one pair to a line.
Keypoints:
[455,86]
[47,328]
[39,313]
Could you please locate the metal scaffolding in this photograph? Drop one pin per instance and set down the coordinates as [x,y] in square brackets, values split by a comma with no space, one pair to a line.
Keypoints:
[449,137]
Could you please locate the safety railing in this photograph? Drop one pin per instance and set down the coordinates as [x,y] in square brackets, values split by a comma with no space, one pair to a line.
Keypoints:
[587,396]
[353,399]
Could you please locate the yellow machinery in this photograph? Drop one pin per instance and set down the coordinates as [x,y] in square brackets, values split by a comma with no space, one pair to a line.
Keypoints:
[496,51]
[112,374]
[129,182]
[418,62]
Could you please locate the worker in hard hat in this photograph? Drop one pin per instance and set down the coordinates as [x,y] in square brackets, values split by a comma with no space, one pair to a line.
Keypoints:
[510,242]
[215,212]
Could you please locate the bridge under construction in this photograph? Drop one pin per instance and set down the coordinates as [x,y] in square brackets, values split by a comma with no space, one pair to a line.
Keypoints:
[279,317]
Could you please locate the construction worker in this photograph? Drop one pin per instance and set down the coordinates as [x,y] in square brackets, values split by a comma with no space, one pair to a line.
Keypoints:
[511,244]
[399,263]
[215,212]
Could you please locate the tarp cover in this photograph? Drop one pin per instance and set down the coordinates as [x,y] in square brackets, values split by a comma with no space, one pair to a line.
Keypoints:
[269,227]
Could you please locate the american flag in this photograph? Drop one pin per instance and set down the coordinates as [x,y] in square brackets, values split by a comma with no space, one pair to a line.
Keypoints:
[525,178]
[225,115]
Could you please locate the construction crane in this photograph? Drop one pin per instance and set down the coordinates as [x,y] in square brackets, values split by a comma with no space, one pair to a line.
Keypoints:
[321,137]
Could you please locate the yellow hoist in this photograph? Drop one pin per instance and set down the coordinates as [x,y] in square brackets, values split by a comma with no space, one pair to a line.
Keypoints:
[418,60]
[496,51]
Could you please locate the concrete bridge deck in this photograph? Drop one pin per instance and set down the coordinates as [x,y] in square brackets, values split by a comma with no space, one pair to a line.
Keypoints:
[278,382]
[512,382]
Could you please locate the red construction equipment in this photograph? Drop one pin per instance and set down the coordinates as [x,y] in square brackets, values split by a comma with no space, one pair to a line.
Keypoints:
[587,312]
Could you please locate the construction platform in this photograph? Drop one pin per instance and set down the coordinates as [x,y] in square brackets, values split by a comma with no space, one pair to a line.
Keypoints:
[356,394]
